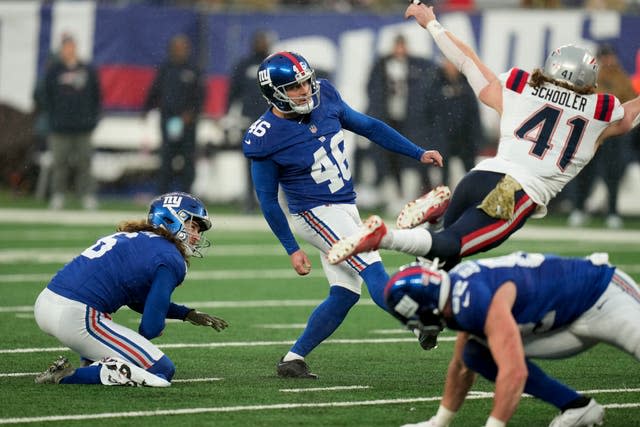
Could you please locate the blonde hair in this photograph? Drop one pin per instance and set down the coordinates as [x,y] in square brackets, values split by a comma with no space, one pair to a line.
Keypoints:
[143,225]
[538,78]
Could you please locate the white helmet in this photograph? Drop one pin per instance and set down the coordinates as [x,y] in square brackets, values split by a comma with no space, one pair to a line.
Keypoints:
[572,64]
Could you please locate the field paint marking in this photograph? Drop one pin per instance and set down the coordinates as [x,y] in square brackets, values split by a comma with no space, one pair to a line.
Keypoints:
[196,380]
[219,304]
[340,387]
[19,374]
[271,274]
[257,223]
[186,380]
[238,344]
[55,255]
[186,411]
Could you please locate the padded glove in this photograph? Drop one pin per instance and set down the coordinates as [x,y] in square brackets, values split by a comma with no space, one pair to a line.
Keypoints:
[203,319]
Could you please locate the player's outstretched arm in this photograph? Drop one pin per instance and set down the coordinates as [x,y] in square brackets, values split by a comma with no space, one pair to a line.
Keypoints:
[483,81]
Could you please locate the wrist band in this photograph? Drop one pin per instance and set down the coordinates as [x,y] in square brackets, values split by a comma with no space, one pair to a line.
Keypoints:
[435,28]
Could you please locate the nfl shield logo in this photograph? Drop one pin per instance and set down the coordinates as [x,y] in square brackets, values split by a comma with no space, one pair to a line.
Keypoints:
[313,128]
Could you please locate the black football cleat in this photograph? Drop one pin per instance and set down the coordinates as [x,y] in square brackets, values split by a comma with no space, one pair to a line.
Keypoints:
[297,368]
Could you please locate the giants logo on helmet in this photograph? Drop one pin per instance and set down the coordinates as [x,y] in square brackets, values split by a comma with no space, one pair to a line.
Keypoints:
[264,77]
[172,201]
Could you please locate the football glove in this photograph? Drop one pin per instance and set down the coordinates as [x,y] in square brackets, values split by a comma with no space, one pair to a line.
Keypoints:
[203,319]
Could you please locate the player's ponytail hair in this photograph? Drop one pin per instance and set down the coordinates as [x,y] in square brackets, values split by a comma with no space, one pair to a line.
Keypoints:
[538,79]
[143,225]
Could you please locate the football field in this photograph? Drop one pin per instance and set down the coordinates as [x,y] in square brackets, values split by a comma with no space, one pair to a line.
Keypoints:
[371,371]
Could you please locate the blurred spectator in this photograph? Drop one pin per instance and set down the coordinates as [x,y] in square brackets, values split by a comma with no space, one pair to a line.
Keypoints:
[178,92]
[635,78]
[72,100]
[404,91]
[461,119]
[612,157]
[541,4]
[245,92]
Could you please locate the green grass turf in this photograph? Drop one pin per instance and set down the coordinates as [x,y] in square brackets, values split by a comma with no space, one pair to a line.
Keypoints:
[387,372]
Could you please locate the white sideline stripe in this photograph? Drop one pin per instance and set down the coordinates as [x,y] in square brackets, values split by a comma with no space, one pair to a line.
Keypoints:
[238,344]
[340,387]
[244,408]
[218,304]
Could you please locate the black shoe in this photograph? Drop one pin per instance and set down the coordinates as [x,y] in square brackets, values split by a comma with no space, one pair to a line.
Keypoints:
[297,368]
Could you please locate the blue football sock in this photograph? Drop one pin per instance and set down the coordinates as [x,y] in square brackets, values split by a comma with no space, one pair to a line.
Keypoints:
[376,279]
[478,358]
[325,319]
[84,375]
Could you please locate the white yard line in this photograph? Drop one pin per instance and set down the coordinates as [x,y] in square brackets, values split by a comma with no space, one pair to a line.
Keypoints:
[279,406]
[237,344]
[217,304]
[336,388]
[531,231]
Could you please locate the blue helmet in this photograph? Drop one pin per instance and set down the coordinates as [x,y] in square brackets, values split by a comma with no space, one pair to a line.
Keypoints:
[417,294]
[172,210]
[283,69]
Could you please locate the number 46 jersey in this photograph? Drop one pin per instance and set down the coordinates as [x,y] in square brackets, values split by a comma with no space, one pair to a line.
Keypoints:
[547,134]
[307,151]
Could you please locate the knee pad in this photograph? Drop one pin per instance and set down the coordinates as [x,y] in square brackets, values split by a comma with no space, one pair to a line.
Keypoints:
[164,368]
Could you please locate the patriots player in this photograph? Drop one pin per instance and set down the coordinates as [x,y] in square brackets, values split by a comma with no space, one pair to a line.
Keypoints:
[139,267]
[551,124]
[511,309]
[298,145]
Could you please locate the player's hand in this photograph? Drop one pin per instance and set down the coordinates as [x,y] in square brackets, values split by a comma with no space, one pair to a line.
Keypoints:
[432,157]
[423,13]
[203,319]
[300,262]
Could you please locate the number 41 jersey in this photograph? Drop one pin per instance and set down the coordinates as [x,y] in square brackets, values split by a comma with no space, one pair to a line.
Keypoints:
[547,134]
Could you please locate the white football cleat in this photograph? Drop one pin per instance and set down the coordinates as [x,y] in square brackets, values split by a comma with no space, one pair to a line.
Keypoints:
[427,208]
[428,423]
[587,416]
[365,240]
[115,371]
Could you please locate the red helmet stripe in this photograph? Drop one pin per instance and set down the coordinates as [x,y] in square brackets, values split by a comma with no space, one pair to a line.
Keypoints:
[293,59]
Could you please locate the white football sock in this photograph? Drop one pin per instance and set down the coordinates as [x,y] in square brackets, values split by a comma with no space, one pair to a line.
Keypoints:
[292,356]
[416,241]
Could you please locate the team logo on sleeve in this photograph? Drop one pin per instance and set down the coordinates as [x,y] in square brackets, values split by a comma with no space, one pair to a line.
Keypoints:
[172,201]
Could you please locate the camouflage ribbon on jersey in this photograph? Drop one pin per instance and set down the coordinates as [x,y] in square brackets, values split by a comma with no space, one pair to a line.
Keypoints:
[500,202]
